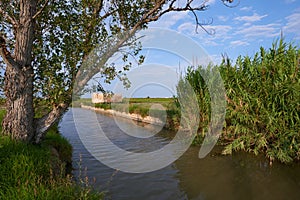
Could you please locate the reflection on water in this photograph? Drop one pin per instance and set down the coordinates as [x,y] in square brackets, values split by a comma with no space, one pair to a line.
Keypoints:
[241,176]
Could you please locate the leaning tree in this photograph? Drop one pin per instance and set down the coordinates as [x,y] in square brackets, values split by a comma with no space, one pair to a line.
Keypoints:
[44,43]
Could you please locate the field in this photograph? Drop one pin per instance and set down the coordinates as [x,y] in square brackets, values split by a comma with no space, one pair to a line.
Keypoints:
[134,105]
[141,106]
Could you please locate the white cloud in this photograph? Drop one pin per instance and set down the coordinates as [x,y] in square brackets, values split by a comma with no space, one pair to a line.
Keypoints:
[268,30]
[223,18]
[293,24]
[249,8]
[238,43]
[247,24]
[253,18]
[170,19]
[211,2]
[186,27]
[220,31]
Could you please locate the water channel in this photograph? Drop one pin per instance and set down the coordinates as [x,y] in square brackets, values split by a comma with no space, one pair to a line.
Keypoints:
[239,176]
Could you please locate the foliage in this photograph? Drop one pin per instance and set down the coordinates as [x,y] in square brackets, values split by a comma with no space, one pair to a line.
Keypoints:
[68,32]
[57,47]
[263,106]
[197,82]
[2,102]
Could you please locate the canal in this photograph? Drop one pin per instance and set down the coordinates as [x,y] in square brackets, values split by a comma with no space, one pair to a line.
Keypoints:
[239,176]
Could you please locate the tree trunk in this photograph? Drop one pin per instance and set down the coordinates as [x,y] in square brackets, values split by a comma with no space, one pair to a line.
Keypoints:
[18,85]
[18,122]
[43,124]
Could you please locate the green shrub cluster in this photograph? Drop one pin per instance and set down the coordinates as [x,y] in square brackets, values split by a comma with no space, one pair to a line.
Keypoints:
[105,106]
[263,102]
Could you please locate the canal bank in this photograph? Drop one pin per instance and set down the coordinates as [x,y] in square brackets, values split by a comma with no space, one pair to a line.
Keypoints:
[131,116]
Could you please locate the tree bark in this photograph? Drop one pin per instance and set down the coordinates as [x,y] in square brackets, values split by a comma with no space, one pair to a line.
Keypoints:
[42,125]
[18,122]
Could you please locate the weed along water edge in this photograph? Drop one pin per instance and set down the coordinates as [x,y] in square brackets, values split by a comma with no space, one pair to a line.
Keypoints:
[30,171]
[237,176]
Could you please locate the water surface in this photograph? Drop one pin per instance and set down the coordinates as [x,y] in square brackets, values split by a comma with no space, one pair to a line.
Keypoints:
[240,176]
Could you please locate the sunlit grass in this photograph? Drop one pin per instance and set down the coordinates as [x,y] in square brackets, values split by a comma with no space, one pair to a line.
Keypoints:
[30,171]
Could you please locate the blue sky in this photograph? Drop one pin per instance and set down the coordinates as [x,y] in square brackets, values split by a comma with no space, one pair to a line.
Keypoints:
[240,30]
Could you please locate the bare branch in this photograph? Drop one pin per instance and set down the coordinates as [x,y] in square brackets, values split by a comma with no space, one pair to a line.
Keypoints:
[227,2]
[201,24]
[41,10]
[187,7]
[153,16]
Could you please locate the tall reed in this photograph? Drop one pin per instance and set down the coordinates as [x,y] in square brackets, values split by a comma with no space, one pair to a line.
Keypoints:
[263,102]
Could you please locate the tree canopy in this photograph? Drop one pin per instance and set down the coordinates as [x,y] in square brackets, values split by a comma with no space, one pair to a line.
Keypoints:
[43,44]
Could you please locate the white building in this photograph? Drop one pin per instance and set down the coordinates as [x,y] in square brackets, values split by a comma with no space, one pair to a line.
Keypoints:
[101,98]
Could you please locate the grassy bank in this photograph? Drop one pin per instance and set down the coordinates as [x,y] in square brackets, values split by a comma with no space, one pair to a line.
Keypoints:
[142,106]
[39,171]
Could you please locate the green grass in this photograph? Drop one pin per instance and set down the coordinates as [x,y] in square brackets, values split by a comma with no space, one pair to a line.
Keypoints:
[30,171]
[142,106]
[85,101]
[149,100]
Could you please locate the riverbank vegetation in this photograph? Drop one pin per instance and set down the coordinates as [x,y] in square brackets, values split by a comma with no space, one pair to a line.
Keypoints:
[263,102]
[143,107]
[30,171]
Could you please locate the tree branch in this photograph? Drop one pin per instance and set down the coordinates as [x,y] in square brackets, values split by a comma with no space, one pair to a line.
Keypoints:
[41,10]
[11,19]
[187,7]
[201,24]
[152,15]
[227,2]
[47,121]
[85,75]
[7,57]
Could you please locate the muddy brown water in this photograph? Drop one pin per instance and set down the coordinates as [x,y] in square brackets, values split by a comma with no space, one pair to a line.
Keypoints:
[239,176]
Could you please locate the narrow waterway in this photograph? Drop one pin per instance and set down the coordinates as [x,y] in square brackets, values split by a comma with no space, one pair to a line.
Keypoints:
[240,176]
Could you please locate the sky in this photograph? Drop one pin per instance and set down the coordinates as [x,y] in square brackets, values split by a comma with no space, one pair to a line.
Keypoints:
[240,30]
